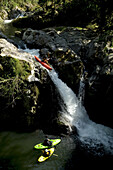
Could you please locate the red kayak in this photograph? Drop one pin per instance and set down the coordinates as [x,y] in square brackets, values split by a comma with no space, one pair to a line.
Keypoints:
[43,63]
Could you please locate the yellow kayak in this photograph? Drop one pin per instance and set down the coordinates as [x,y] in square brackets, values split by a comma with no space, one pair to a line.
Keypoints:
[43,158]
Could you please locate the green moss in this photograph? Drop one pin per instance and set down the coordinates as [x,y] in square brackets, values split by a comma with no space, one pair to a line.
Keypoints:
[93,27]
[12,4]
[12,67]
[13,78]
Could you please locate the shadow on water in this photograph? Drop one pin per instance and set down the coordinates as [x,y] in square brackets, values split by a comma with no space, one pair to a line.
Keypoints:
[17,153]
[88,158]
[82,159]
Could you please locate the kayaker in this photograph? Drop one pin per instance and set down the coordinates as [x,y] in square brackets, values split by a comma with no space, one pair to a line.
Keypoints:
[47,142]
[45,60]
[46,152]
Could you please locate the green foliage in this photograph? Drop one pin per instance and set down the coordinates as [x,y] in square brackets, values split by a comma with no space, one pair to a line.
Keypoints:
[69,12]
[11,4]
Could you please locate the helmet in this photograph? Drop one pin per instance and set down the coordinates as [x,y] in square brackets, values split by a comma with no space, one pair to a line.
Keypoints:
[46,150]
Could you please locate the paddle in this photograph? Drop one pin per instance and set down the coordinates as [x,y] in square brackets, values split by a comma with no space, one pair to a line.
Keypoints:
[55,154]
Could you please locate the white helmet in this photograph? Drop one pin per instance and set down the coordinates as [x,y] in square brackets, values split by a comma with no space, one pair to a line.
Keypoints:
[46,150]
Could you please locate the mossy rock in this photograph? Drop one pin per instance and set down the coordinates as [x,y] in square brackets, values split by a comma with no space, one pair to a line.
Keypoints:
[14,97]
[11,67]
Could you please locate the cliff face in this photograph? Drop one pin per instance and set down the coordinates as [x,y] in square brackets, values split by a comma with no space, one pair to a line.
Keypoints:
[16,107]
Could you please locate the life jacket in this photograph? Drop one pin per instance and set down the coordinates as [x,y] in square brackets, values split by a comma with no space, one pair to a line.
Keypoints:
[45,61]
[46,153]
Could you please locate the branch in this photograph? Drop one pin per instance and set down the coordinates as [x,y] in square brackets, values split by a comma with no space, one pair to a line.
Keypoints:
[5,80]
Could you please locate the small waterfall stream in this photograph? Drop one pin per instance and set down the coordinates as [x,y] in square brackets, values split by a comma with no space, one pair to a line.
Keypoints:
[81,92]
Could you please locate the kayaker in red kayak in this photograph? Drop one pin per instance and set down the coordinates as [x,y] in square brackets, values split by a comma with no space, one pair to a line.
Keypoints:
[45,59]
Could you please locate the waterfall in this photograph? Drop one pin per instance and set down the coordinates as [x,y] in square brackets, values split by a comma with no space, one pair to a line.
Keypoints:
[81,92]
[67,95]
[90,133]
[7,21]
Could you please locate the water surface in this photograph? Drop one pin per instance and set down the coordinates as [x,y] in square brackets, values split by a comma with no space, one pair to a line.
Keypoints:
[17,152]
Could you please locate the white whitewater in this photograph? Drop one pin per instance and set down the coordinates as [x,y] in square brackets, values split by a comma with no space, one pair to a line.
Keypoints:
[81,93]
[33,52]
[90,133]
[7,21]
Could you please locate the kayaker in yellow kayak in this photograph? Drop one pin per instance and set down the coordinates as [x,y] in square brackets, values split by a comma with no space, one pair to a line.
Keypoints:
[46,152]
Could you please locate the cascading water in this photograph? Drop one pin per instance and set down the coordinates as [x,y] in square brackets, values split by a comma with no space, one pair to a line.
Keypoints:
[81,92]
[91,134]
[68,97]
[10,20]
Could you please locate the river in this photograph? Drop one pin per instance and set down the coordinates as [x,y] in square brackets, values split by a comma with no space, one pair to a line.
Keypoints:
[17,152]
[92,148]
